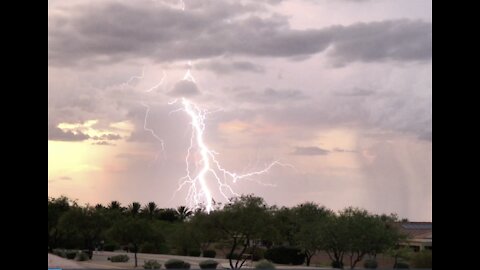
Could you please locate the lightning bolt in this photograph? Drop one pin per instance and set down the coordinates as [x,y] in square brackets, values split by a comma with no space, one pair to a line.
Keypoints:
[207,167]
[147,113]
[182,5]
[136,77]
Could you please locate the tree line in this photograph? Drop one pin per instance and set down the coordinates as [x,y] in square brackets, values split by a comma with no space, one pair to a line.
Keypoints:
[245,228]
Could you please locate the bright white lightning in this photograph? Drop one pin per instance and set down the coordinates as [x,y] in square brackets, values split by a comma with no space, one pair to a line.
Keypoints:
[188,75]
[182,5]
[158,84]
[208,167]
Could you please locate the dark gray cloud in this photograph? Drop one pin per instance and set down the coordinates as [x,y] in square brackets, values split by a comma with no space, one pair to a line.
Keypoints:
[355,92]
[56,134]
[228,67]
[107,137]
[165,34]
[103,143]
[310,151]
[271,96]
[184,88]
[400,40]
[341,150]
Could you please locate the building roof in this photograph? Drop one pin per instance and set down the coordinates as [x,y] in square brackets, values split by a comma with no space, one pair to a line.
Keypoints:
[417,230]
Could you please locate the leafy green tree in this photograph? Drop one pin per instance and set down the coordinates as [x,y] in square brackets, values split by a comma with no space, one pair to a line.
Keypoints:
[202,230]
[115,206]
[150,210]
[244,223]
[184,213]
[183,240]
[56,208]
[399,254]
[285,227]
[355,233]
[134,232]
[134,208]
[87,223]
[310,220]
[169,215]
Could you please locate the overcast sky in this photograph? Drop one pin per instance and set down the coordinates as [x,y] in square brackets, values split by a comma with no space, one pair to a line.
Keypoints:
[339,89]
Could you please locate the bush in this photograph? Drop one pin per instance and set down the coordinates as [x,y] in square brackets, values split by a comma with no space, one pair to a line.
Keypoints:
[60,253]
[208,264]
[285,255]
[257,253]
[176,264]
[152,264]
[110,247]
[209,253]
[336,264]
[71,254]
[422,259]
[370,264]
[88,252]
[194,253]
[119,258]
[401,265]
[264,264]
[82,256]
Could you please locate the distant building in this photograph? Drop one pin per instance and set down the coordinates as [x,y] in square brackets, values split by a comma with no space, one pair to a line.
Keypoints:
[419,235]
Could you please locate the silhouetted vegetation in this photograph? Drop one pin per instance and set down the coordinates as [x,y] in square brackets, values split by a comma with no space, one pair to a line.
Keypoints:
[244,229]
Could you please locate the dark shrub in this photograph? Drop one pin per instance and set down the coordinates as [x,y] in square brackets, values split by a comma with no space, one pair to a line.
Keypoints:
[257,253]
[120,258]
[71,254]
[176,264]
[370,264]
[152,264]
[208,264]
[264,264]
[401,265]
[209,253]
[88,252]
[285,255]
[110,247]
[82,256]
[422,259]
[337,264]
[194,253]
[60,253]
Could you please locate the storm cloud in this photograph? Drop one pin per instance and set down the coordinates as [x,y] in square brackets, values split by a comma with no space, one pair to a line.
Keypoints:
[163,34]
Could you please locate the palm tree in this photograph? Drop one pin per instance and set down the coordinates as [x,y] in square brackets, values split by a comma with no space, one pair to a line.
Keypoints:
[114,205]
[134,208]
[150,209]
[183,212]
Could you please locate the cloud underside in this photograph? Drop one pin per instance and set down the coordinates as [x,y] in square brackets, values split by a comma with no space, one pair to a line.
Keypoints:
[310,151]
[56,134]
[116,31]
